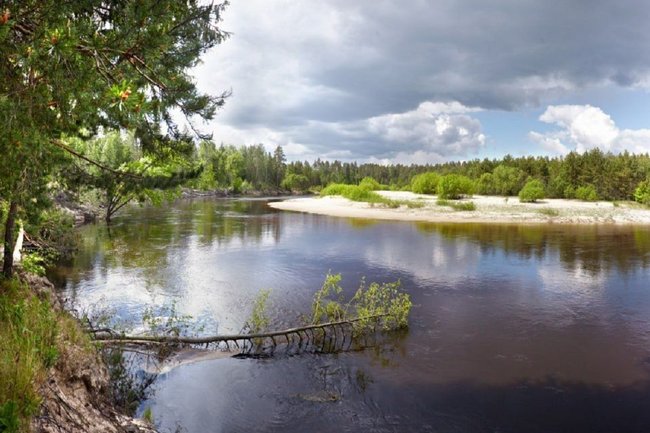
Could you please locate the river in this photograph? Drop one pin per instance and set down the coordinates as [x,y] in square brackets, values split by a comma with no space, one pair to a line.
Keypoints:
[538,328]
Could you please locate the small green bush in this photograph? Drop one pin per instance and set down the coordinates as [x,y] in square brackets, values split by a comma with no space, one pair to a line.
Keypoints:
[532,191]
[642,192]
[353,192]
[586,193]
[455,186]
[334,189]
[33,263]
[425,183]
[370,184]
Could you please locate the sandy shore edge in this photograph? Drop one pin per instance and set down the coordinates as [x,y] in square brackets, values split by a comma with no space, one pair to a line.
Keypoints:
[489,209]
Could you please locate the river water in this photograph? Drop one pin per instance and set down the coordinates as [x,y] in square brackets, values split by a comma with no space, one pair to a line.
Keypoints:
[514,329]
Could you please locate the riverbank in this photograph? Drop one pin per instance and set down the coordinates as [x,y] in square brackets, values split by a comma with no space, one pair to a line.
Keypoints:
[52,378]
[489,209]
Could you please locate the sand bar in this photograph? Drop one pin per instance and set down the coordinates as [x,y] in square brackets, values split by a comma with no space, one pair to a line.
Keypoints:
[489,209]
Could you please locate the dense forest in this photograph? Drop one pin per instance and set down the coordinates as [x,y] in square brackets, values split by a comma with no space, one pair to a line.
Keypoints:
[591,175]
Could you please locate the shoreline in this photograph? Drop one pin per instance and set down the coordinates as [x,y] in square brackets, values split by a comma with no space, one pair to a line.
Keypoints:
[489,210]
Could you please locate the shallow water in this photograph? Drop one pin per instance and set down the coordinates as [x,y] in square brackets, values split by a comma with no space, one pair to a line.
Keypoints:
[515,328]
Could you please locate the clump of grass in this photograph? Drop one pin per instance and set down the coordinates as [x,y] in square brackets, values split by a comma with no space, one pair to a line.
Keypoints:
[147,415]
[28,336]
[259,320]
[411,204]
[458,206]
[549,211]
[464,206]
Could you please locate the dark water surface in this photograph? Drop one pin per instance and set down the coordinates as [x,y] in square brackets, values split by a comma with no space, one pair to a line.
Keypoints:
[514,329]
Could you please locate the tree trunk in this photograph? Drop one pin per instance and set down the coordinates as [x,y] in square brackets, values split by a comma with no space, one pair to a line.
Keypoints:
[8,264]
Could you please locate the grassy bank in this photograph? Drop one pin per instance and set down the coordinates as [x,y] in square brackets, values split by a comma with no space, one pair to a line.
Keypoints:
[32,333]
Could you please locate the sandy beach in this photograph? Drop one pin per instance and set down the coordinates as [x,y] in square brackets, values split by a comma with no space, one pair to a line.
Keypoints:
[489,209]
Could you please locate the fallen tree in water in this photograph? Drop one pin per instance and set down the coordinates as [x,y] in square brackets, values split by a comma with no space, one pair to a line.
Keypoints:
[304,334]
[333,324]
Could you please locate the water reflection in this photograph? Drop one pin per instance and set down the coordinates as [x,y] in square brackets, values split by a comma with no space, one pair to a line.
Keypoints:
[510,321]
[590,248]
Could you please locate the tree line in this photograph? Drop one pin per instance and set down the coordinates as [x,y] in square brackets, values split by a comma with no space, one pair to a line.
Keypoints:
[591,175]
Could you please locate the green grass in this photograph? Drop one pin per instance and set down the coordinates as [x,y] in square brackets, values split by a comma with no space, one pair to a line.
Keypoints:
[33,338]
[549,211]
[458,206]
[362,193]
[464,206]
[28,332]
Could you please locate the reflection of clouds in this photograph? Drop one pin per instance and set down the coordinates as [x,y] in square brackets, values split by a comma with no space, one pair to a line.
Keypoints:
[577,282]
[425,257]
[120,289]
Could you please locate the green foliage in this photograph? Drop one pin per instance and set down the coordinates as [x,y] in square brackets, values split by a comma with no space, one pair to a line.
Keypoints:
[425,183]
[375,300]
[464,206]
[55,231]
[443,202]
[147,415]
[549,211]
[507,180]
[382,299]
[166,321]
[586,193]
[642,192]
[128,388]
[371,184]
[485,184]
[532,191]
[259,320]
[363,194]
[615,176]
[28,332]
[71,69]
[353,192]
[295,182]
[459,206]
[135,175]
[327,304]
[10,417]
[33,263]
[454,186]
[569,192]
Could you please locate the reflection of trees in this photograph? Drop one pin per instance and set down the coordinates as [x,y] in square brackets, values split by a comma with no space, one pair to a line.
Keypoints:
[141,238]
[591,248]
[242,220]
[362,223]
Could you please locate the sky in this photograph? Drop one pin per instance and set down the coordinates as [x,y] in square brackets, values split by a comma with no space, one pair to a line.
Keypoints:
[428,81]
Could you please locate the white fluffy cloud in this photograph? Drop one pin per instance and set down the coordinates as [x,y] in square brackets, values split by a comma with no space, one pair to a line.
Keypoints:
[432,132]
[584,127]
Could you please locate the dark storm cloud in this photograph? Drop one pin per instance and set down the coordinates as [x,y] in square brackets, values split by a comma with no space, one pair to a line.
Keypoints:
[304,72]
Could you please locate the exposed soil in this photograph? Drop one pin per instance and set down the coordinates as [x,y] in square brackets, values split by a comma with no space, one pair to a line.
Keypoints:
[76,393]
